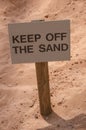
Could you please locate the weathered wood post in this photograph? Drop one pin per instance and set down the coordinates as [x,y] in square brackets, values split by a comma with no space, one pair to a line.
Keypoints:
[43,87]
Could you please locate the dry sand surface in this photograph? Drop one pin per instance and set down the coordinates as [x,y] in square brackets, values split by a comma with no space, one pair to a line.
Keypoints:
[19,104]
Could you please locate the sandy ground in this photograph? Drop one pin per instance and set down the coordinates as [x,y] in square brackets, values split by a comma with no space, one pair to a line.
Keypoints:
[19,104]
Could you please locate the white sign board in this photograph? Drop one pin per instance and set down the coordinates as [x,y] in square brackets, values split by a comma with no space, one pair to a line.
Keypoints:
[40,41]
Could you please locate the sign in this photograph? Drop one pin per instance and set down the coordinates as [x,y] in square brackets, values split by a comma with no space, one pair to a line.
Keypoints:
[40,41]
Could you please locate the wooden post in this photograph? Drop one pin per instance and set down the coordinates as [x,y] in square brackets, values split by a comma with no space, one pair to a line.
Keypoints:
[43,88]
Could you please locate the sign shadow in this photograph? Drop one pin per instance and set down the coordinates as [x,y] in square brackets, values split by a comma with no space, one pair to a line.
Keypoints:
[58,123]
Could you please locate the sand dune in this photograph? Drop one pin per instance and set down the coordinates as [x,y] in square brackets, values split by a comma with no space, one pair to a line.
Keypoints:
[19,105]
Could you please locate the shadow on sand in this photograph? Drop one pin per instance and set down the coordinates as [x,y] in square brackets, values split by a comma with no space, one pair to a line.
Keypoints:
[57,123]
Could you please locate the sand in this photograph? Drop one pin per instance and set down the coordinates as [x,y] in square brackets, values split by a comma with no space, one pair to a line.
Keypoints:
[19,103]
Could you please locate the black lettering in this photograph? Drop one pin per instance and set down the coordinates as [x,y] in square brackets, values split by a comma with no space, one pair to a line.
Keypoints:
[30,49]
[23,49]
[15,49]
[37,36]
[30,38]
[57,35]
[42,48]
[49,37]
[63,35]
[64,47]
[15,39]
[23,38]
[56,47]
[49,48]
